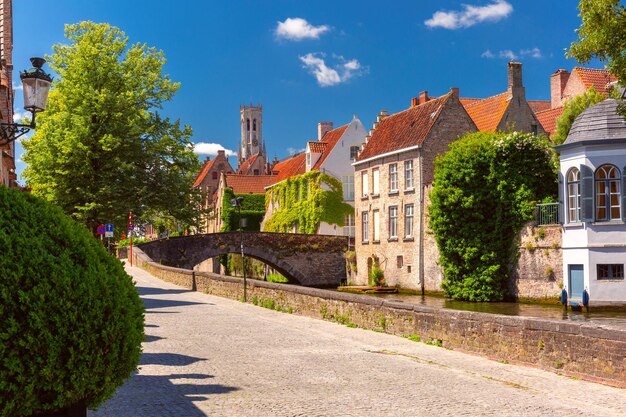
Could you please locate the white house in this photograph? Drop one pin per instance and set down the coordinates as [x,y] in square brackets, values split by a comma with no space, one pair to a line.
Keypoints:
[332,154]
[592,197]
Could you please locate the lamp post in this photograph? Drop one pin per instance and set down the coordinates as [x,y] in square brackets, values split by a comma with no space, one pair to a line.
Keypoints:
[236,202]
[36,85]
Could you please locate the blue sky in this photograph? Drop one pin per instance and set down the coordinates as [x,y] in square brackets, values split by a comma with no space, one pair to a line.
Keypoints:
[310,61]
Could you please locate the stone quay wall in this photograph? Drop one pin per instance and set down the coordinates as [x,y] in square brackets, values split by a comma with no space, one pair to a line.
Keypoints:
[580,350]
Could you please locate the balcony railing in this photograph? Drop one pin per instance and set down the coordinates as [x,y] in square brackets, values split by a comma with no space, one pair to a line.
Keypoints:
[547,214]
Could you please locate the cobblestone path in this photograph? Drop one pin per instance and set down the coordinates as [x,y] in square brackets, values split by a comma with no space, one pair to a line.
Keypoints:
[208,356]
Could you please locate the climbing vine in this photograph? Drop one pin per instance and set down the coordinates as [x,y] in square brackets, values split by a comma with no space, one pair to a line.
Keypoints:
[485,190]
[252,209]
[305,201]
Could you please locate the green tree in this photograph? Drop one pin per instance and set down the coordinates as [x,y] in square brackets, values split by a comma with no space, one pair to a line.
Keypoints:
[573,107]
[101,148]
[602,35]
[485,190]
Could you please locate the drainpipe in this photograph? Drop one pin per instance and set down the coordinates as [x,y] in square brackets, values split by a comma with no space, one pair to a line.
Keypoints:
[421,217]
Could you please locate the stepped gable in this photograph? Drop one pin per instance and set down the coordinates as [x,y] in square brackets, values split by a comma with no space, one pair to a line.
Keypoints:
[404,129]
[598,123]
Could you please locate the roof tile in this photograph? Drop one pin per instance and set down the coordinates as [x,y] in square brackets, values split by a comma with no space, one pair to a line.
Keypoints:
[330,139]
[203,172]
[406,128]
[599,79]
[488,113]
[248,184]
[548,118]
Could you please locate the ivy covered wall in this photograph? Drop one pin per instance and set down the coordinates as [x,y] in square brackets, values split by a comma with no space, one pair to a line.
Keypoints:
[304,201]
[252,209]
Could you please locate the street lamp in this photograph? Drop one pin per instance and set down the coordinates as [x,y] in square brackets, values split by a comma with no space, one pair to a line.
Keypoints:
[36,85]
[237,202]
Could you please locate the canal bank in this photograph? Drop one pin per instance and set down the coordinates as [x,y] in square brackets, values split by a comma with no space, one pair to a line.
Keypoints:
[577,348]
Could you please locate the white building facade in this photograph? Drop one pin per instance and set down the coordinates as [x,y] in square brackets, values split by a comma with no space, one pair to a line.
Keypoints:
[592,197]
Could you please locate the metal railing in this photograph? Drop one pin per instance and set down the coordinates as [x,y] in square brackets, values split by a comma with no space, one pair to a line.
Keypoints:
[547,214]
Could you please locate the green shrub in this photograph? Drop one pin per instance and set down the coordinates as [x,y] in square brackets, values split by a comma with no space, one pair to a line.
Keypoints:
[485,190]
[136,241]
[72,320]
[377,276]
[276,278]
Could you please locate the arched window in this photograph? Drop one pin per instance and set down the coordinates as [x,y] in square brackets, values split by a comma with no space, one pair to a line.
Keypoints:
[254,125]
[248,124]
[608,194]
[573,195]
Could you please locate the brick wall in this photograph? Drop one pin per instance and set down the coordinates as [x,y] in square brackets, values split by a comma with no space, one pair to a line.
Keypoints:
[576,349]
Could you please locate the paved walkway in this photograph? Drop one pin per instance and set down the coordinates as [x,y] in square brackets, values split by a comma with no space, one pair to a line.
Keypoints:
[209,356]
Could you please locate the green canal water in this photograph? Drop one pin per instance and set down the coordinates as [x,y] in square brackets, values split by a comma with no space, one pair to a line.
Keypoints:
[605,317]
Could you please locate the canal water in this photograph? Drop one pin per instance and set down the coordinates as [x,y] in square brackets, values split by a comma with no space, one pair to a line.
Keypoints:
[603,317]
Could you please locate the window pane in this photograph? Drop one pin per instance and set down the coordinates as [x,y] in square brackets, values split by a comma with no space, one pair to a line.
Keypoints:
[364,225]
[376,181]
[376,236]
[408,174]
[393,177]
[408,220]
[393,222]
[364,184]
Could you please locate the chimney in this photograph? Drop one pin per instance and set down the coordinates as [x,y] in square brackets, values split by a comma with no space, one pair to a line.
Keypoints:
[415,102]
[221,153]
[516,87]
[323,128]
[208,158]
[558,81]
[424,97]
[455,92]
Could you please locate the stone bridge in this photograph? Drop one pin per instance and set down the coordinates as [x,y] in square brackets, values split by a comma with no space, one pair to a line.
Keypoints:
[309,260]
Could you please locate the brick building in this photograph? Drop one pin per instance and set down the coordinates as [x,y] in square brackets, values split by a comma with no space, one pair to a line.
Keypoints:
[207,182]
[392,175]
[565,85]
[7,160]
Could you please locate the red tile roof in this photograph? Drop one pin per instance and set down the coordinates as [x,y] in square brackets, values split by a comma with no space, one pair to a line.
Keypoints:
[330,138]
[294,165]
[247,165]
[404,129]
[203,172]
[539,105]
[248,184]
[317,147]
[547,118]
[488,113]
[599,79]
[466,101]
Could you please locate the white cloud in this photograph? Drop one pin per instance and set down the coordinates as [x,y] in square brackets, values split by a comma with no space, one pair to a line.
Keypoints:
[533,53]
[297,29]
[508,54]
[331,75]
[18,87]
[204,148]
[487,54]
[17,116]
[293,151]
[470,15]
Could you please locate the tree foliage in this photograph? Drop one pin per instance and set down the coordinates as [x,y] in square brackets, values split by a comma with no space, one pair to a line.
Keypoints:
[485,189]
[101,148]
[72,320]
[306,200]
[602,35]
[572,109]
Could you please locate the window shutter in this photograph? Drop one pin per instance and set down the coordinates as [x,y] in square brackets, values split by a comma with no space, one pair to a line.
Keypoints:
[561,219]
[586,193]
[624,194]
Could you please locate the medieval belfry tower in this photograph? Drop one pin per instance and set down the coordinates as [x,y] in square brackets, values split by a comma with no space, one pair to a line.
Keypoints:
[251,154]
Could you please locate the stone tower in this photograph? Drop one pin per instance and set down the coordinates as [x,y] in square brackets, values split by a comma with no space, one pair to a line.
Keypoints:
[251,132]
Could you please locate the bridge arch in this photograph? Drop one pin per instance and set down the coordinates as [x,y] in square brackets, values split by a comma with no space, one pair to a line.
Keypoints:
[309,260]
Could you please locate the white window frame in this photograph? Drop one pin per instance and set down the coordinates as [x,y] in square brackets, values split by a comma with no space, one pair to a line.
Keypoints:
[393,222]
[365,226]
[393,178]
[375,181]
[376,221]
[364,184]
[408,175]
[409,213]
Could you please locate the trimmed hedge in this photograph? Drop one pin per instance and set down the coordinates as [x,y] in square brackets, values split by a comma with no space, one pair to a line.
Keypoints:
[72,320]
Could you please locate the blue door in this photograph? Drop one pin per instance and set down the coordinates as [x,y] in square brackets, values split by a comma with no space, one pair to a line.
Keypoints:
[576,281]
